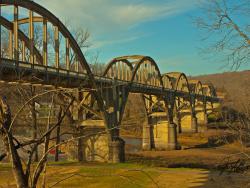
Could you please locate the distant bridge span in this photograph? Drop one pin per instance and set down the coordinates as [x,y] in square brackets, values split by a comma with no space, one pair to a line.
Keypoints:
[29,55]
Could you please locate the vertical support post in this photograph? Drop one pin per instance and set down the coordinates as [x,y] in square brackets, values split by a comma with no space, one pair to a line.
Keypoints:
[123,100]
[80,118]
[123,70]
[116,109]
[67,54]
[115,71]
[31,36]
[109,74]
[117,151]
[172,135]
[0,34]
[205,118]
[10,44]
[150,71]
[23,51]
[172,128]
[146,135]
[194,121]
[205,111]
[177,121]
[128,78]
[16,54]
[76,64]
[140,75]
[80,144]
[56,38]
[45,43]
[116,144]
[119,70]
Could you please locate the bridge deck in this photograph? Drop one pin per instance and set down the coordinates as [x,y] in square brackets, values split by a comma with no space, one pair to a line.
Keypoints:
[19,71]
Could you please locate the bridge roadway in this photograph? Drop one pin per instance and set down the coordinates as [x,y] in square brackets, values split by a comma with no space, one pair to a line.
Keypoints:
[19,71]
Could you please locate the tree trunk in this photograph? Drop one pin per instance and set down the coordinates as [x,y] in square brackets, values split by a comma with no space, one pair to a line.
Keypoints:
[34,122]
[20,177]
[58,131]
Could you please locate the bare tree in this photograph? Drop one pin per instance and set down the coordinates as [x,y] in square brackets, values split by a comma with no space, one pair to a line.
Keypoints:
[226,27]
[22,165]
[226,35]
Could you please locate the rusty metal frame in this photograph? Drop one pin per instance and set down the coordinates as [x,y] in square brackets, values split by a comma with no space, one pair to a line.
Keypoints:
[10,26]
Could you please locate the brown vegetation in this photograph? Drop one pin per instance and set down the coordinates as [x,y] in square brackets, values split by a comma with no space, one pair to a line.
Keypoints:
[236,86]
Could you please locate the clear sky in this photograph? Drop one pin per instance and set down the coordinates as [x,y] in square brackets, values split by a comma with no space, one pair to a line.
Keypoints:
[162,29]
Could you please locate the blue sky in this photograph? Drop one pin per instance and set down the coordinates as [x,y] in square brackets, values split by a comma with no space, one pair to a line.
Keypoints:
[162,29]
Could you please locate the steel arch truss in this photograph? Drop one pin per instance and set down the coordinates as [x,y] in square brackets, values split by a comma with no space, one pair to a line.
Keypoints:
[71,61]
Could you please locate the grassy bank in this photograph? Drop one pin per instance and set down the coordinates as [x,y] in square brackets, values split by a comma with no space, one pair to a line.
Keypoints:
[93,175]
[111,175]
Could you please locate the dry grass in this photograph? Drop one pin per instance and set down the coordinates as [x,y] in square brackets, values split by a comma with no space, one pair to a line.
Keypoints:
[128,175]
[148,169]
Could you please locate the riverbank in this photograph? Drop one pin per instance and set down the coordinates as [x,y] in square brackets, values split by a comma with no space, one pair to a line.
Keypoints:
[93,175]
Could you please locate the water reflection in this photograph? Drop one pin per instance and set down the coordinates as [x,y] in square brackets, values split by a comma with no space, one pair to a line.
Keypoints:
[132,144]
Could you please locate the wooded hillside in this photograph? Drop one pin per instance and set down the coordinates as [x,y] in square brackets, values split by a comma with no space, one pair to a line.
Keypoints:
[236,85]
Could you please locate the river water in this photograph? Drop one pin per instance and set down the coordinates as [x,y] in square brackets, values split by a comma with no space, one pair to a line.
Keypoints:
[132,145]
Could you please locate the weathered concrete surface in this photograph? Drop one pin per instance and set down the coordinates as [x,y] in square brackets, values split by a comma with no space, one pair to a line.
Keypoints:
[160,135]
[201,117]
[95,141]
[186,121]
[97,146]
[156,135]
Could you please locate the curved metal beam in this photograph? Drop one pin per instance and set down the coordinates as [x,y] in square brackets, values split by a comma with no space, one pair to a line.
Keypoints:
[166,76]
[210,90]
[140,62]
[196,86]
[10,26]
[114,61]
[30,5]
[177,77]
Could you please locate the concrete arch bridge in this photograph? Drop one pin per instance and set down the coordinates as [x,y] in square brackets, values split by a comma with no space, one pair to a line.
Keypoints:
[37,48]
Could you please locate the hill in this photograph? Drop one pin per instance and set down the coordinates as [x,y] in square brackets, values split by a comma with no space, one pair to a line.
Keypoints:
[236,85]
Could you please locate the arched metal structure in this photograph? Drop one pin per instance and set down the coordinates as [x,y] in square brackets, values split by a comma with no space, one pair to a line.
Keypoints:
[167,81]
[180,83]
[25,42]
[107,94]
[209,91]
[146,71]
[199,105]
[46,16]
[196,87]
[119,68]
